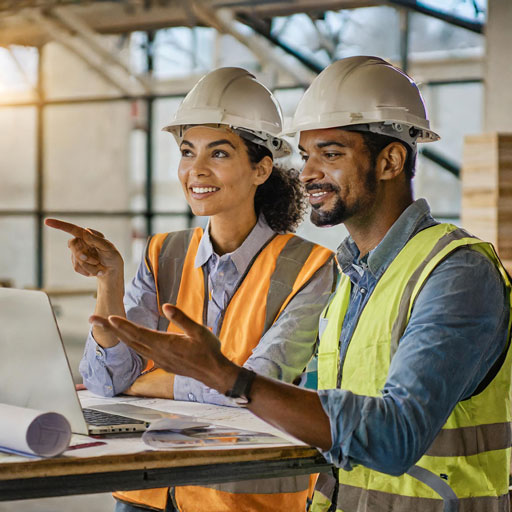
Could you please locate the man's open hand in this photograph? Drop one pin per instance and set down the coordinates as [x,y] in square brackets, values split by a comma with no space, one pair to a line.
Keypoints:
[196,353]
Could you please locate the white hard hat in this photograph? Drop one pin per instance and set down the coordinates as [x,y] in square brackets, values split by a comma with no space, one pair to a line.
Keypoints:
[233,97]
[365,94]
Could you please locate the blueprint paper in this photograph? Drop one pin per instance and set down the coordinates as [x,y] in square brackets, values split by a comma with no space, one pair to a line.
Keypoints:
[233,417]
[44,434]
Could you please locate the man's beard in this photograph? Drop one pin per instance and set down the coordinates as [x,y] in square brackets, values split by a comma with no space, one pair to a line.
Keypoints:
[338,214]
[341,212]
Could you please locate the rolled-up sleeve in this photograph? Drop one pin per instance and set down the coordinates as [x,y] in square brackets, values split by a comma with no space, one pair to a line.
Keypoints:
[109,371]
[457,330]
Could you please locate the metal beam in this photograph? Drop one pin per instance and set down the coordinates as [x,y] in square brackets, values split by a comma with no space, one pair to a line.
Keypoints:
[404,39]
[72,44]
[259,27]
[39,181]
[149,137]
[473,26]
[442,161]
[224,21]
[92,213]
[96,44]
[437,67]
[324,42]
[151,477]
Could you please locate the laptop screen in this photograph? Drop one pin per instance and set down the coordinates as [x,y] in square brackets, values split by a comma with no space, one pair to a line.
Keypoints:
[35,372]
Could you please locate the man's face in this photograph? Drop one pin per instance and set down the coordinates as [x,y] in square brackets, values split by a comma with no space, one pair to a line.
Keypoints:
[340,181]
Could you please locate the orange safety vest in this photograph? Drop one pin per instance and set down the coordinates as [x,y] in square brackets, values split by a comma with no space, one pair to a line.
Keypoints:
[277,273]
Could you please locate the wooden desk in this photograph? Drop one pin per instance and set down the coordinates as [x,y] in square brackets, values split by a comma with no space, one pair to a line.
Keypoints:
[125,463]
[66,476]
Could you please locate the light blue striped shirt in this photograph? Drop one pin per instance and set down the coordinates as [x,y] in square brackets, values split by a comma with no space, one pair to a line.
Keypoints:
[282,353]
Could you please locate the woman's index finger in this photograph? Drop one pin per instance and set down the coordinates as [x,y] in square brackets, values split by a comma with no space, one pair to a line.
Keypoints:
[67,227]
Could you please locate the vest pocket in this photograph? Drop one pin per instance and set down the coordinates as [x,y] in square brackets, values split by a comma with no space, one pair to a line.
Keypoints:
[366,366]
[327,370]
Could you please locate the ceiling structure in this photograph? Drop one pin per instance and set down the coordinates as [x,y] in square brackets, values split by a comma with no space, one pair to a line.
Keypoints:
[80,27]
[17,26]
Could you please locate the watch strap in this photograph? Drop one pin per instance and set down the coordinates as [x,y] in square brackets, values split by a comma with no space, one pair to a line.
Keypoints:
[242,387]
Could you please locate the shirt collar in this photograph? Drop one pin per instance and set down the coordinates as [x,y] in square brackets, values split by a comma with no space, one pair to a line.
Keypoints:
[241,257]
[413,219]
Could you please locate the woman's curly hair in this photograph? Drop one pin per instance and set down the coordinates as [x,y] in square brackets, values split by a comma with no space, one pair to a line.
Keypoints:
[281,198]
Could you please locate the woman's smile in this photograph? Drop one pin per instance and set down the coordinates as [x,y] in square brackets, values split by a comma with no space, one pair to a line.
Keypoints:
[202,191]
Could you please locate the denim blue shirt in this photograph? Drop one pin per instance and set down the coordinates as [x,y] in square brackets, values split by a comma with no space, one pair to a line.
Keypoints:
[282,353]
[457,330]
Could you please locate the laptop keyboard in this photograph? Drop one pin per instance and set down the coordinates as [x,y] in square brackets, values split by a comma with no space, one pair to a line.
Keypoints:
[100,418]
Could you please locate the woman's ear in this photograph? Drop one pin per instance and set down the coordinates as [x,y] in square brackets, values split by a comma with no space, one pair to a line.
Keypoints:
[263,170]
[391,161]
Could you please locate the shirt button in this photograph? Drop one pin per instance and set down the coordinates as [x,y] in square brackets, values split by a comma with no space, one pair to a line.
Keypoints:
[191,397]
[362,290]
[98,352]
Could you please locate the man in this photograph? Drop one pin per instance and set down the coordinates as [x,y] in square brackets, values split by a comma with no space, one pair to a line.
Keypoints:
[413,357]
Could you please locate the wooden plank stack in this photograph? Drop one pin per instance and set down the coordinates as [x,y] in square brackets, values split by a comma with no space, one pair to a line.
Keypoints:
[487,190]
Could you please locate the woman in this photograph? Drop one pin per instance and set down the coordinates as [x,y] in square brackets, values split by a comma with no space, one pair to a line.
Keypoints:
[258,287]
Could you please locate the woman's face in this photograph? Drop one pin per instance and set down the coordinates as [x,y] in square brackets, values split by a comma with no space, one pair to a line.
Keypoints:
[216,174]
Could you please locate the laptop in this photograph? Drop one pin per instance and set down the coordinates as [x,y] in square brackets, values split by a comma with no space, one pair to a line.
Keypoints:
[35,372]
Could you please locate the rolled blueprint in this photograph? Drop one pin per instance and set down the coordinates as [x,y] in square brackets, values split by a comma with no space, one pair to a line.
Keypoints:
[45,434]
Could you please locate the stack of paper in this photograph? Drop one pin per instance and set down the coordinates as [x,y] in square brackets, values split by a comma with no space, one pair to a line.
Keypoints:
[183,432]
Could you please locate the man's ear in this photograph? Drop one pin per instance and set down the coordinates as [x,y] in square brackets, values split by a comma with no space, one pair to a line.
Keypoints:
[263,170]
[391,161]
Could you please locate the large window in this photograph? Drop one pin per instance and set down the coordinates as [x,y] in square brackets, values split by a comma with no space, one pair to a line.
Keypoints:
[75,147]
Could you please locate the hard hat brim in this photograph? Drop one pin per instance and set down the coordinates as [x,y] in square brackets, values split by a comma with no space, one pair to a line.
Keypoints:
[341,119]
[278,146]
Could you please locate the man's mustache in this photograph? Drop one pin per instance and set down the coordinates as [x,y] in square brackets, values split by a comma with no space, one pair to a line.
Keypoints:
[324,187]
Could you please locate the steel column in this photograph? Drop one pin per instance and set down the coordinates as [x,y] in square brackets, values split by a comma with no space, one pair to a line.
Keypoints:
[39,181]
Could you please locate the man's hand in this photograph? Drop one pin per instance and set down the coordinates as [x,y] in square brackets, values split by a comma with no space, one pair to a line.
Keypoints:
[196,353]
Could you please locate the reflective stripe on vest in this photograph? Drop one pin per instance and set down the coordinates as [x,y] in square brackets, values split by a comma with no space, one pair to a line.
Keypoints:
[282,267]
[264,485]
[352,500]
[472,451]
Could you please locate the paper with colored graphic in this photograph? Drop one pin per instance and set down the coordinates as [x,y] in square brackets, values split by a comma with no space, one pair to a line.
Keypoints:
[185,432]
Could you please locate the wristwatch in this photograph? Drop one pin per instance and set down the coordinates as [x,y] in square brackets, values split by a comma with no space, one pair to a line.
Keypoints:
[240,392]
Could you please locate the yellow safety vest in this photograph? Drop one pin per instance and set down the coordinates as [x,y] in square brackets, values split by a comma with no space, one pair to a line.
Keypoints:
[281,269]
[468,463]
